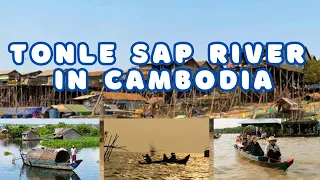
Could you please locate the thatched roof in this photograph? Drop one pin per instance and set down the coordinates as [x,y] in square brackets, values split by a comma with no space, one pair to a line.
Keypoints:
[48,155]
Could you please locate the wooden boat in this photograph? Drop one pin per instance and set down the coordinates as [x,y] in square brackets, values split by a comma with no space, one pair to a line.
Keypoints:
[167,160]
[263,161]
[50,159]
[217,136]
[43,173]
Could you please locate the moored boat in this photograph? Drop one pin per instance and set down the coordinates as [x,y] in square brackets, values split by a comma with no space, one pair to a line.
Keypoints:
[50,159]
[167,160]
[263,161]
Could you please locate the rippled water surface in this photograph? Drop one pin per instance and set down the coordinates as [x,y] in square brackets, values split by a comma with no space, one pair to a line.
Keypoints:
[88,169]
[124,165]
[304,151]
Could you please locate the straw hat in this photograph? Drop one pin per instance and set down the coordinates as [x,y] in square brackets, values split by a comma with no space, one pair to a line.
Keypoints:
[271,138]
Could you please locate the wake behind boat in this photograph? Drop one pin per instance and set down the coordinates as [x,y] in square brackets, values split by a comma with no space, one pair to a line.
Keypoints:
[263,161]
[49,158]
[167,160]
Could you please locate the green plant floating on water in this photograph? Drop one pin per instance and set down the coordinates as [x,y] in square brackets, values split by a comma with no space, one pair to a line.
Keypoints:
[6,153]
[86,142]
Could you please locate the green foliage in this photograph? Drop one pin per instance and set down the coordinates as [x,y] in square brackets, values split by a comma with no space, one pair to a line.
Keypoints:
[312,72]
[17,130]
[6,153]
[85,142]
[247,129]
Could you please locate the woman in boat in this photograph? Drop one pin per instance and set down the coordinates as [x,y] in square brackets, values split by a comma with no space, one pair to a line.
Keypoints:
[239,142]
[254,147]
[272,150]
[147,158]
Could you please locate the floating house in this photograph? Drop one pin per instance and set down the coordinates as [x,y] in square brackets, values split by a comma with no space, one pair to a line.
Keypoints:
[66,133]
[30,136]
[86,100]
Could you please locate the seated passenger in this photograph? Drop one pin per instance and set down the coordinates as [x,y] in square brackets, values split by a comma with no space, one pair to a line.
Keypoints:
[272,150]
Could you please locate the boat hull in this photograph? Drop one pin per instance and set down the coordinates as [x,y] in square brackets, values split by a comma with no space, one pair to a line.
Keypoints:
[263,161]
[54,165]
[167,160]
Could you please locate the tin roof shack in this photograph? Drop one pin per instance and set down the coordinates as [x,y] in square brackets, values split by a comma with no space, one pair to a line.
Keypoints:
[9,77]
[86,100]
[303,127]
[289,109]
[127,101]
[66,133]
[270,126]
[30,136]
[95,79]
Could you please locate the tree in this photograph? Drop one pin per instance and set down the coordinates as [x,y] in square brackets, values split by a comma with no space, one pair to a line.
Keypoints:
[312,72]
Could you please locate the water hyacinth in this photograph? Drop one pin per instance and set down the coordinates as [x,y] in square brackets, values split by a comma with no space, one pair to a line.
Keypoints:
[86,142]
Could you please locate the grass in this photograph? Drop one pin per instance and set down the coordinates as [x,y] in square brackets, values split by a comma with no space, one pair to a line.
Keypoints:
[85,142]
[6,153]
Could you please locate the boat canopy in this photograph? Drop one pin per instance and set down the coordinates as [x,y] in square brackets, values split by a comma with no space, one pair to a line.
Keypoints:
[260,121]
[48,155]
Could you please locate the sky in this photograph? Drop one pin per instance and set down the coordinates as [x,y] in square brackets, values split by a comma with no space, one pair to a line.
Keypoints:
[125,22]
[49,121]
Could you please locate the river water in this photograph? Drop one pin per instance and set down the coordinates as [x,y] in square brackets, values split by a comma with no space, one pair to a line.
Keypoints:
[304,151]
[124,165]
[88,169]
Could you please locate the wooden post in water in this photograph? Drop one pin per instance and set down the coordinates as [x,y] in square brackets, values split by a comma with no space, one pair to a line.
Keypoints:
[211,125]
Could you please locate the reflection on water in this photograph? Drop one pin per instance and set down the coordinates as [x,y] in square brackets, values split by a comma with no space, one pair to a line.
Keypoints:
[88,169]
[124,165]
[48,174]
[304,151]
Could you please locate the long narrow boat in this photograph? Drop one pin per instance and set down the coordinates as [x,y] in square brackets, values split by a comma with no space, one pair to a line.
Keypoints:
[167,160]
[50,159]
[263,161]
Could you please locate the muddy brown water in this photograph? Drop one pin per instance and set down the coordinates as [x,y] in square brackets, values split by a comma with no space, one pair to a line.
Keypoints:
[304,151]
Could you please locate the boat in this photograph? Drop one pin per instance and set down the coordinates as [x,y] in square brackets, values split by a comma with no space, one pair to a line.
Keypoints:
[167,160]
[42,173]
[50,159]
[263,161]
[217,136]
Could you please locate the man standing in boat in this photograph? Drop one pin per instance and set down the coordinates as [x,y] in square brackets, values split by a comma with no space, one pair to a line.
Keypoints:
[73,154]
[272,150]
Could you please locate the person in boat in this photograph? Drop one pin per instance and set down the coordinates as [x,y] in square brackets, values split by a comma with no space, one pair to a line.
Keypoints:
[272,150]
[239,142]
[254,147]
[73,154]
[247,141]
[173,157]
[147,158]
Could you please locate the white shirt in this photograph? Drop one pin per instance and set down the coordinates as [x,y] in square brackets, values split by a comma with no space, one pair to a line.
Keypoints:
[73,151]
[274,148]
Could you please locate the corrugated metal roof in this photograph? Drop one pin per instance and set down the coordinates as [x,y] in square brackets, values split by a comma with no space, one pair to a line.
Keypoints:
[95,73]
[121,96]
[26,73]
[76,108]
[6,72]
[261,121]
[85,97]
[46,73]
[154,100]
[61,108]
[27,132]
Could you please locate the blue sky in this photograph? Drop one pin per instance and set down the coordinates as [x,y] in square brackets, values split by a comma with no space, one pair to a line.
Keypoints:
[125,22]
